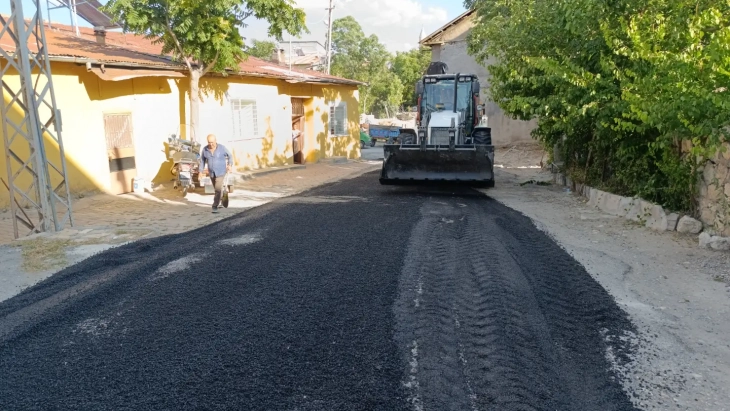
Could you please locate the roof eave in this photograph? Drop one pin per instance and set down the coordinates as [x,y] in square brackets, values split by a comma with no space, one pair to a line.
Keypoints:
[124,64]
[84,60]
[428,39]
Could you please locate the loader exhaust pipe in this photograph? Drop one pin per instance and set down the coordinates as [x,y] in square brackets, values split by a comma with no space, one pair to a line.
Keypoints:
[456,90]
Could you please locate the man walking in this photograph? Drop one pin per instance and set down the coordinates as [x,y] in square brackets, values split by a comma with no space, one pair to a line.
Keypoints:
[219,162]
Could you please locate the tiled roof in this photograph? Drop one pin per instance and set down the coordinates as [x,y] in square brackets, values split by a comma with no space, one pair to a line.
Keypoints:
[130,50]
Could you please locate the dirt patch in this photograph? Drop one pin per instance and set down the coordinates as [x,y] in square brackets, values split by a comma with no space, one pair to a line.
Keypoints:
[43,254]
[527,155]
[673,292]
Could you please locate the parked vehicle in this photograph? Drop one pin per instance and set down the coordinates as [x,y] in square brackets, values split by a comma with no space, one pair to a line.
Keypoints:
[386,133]
[365,139]
[185,157]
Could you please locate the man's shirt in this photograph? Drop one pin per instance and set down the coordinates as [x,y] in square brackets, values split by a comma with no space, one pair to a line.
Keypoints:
[216,160]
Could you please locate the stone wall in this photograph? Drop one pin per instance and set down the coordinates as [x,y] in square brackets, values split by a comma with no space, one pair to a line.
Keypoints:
[714,195]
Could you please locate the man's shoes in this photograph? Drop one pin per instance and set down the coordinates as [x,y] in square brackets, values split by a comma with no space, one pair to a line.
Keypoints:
[215,210]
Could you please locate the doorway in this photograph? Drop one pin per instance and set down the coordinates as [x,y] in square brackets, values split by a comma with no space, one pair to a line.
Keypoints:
[120,151]
[297,126]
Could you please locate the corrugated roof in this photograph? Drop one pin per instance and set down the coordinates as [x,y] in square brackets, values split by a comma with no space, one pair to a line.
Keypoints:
[62,43]
[130,50]
[308,60]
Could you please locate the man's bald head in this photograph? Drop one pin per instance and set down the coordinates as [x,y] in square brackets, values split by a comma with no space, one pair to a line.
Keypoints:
[212,141]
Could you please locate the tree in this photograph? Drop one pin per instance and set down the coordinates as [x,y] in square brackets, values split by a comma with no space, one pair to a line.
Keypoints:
[619,84]
[204,35]
[364,58]
[262,49]
[409,66]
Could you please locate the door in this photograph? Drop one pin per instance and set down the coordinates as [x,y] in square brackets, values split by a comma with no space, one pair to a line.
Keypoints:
[120,151]
[297,126]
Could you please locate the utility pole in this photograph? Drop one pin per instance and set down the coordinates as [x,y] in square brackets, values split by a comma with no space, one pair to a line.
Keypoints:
[329,35]
[31,126]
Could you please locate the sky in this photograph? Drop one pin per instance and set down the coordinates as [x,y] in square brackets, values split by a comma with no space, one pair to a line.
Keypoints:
[397,23]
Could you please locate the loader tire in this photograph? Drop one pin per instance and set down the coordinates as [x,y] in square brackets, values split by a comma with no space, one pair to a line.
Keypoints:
[407,138]
[482,137]
[485,184]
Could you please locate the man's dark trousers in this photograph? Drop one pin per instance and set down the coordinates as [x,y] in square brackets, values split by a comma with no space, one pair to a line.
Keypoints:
[218,187]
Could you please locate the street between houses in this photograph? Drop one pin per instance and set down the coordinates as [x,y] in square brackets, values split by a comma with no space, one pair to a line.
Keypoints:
[349,296]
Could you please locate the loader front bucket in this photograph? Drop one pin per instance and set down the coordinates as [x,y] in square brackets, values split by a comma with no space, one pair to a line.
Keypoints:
[412,164]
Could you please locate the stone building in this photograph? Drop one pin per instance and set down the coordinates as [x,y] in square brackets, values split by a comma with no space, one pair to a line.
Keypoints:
[449,45]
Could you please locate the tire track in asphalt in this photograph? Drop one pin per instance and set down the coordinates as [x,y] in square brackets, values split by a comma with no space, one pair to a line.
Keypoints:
[529,318]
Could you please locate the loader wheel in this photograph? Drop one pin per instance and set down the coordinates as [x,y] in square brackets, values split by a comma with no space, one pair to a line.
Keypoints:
[482,137]
[372,143]
[407,138]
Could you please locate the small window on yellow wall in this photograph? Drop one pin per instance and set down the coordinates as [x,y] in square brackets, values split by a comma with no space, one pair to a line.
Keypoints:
[245,119]
[338,119]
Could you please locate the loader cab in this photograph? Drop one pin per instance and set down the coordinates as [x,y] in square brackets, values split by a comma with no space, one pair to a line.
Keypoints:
[448,92]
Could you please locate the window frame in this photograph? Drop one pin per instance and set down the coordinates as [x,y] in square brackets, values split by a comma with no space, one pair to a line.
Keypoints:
[332,120]
[237,105]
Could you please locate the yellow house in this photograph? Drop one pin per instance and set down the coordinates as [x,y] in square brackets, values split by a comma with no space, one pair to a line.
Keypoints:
[120,100]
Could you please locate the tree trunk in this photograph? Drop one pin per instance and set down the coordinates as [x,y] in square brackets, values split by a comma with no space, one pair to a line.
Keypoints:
[195,105]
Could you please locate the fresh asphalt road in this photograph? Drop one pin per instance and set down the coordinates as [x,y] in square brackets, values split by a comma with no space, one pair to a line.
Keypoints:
[352,296]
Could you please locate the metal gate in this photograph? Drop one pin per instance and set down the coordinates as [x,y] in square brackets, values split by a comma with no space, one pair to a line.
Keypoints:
[120,150]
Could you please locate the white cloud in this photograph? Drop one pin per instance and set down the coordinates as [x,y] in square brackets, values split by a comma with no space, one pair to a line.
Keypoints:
[397,23]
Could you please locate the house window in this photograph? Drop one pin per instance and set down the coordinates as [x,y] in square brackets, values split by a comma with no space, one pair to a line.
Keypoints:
[245,119]
[338,119]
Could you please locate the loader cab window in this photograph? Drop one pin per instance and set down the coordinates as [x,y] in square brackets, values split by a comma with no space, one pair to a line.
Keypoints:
[439,96]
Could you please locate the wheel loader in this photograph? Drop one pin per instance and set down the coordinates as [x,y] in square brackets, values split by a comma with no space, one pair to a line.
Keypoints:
[451,142]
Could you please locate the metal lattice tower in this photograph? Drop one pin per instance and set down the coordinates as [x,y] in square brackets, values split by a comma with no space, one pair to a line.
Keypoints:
[40,199]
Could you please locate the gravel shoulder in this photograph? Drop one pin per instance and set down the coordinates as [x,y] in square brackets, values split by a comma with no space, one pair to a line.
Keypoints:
[675,294]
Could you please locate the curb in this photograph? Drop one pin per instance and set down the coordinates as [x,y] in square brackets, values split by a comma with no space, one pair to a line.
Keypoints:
[334,160]
[648,214]
[248,175]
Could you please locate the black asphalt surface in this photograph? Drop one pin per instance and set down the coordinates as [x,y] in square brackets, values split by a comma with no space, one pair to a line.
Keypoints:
[352,296]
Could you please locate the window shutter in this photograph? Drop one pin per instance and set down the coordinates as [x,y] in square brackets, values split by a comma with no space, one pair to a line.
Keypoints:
[333,120]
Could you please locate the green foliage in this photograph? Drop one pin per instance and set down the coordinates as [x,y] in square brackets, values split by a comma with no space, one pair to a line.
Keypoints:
[364,58]
[205,34]
[409,66]
[262,49]
[619,84]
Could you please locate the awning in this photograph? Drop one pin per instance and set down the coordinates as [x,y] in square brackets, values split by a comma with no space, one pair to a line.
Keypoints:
[116,74]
